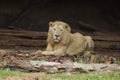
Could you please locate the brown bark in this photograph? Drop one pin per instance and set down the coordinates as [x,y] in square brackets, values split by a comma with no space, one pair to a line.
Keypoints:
[56,67]
[22,42]
[22,38]
[23,33]
[111,38]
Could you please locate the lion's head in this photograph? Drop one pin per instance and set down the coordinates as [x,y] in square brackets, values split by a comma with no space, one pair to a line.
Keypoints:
[57,30]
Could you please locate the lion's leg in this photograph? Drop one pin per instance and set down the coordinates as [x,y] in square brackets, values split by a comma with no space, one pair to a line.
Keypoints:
[89,43]
[49,47]
[58,52]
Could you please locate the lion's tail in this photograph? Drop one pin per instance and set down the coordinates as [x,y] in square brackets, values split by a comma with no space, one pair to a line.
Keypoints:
[89,43]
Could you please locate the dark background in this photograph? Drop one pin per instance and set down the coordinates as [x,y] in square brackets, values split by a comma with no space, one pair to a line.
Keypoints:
[35,14]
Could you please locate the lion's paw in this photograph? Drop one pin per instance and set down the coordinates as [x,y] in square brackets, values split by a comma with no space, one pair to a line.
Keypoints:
[37,52]
[44,52]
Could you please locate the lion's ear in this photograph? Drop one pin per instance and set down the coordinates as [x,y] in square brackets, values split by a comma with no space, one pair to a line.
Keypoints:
[67,27]
[51,24]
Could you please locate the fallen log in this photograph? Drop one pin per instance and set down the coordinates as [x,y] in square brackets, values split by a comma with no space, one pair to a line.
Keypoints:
[13,38]
[13,41]
[56,67]
[112,38]
[27,38]
[23,33]
[107,45]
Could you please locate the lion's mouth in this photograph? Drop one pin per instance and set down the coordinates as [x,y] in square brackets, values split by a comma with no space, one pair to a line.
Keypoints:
[56,39]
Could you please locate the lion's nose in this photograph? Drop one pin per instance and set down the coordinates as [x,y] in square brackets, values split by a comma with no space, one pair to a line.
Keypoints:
[56,35]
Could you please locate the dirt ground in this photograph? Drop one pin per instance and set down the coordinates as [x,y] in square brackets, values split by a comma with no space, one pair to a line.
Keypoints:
[29,76]
[24,53]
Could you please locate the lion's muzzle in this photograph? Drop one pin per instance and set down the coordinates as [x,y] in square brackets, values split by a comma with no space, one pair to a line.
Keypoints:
[56,38]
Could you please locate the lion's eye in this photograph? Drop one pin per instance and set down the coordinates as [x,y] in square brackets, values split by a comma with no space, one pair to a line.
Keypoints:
[54,29]
[61,30]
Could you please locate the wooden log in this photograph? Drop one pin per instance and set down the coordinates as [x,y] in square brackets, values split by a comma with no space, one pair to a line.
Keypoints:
[107,45]
[22,38]
[104,33]
[22,42]
[56,67]
[112,38]
[33,38]
[23,33]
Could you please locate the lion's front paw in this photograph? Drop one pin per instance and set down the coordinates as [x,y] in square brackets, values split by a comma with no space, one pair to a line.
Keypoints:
[44,52]
[37,52]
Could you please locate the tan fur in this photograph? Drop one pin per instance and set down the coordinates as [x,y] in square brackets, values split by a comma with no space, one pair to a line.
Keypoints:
[66,42]
[89,43]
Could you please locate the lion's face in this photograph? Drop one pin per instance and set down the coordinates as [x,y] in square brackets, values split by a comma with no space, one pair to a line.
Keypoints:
[57,30]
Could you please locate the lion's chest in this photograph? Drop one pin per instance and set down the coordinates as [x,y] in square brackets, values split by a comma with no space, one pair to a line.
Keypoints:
[57,46]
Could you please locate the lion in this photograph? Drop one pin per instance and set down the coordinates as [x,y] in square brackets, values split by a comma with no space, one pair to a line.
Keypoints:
[61,41]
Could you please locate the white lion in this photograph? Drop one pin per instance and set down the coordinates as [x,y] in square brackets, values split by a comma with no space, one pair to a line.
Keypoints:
[61,41]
